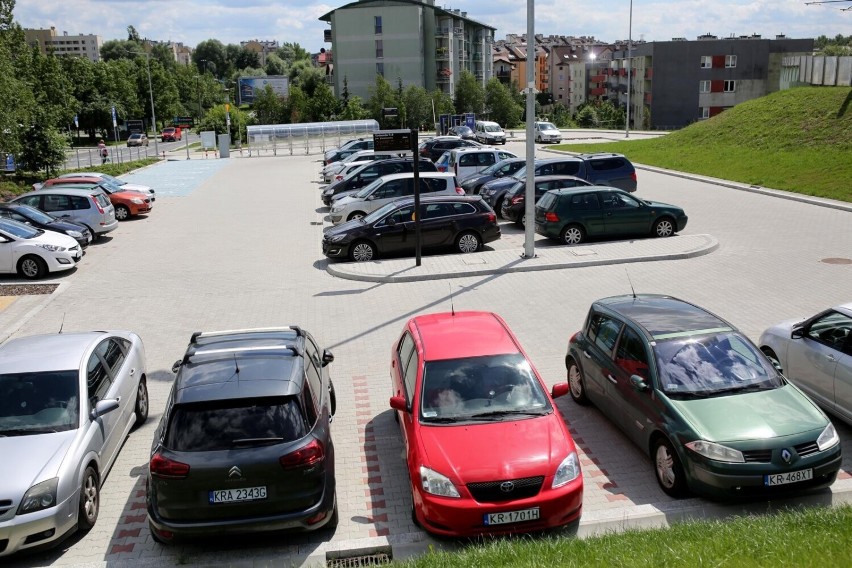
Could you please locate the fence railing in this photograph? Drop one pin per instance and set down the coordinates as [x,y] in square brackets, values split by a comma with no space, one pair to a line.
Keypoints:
[77,158]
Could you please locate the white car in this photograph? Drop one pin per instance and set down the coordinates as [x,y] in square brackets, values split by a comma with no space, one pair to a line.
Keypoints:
[547,132]
[119,182]
[33,253]
[390,188]
[67,403]
[332,170]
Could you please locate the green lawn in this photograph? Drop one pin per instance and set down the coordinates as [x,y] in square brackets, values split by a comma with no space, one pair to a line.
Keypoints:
[815,537]
[798,140]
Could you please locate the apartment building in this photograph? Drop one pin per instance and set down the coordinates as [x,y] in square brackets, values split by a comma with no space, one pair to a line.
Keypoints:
[48,41]
[412,41]
[675,83]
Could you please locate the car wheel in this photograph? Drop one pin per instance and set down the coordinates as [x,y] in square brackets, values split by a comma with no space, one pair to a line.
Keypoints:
[575,382]
[90,500]
[362,251]
[332,397]
[355,215]
[668,470]
[573,235]
[664,227]
[32,267]
[141,409]
[773,358]
[468,242]
[122,212]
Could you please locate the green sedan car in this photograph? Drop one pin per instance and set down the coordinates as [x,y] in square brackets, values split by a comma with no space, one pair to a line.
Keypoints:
[714,414]
[575,214]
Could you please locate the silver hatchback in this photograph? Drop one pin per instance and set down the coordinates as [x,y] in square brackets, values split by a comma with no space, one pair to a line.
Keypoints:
[90,207]
[67,403]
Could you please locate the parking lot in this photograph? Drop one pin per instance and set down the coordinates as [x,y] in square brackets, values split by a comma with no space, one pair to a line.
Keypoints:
[236,243]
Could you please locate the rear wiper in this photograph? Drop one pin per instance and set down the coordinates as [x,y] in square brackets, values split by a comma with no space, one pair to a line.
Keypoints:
[242,441]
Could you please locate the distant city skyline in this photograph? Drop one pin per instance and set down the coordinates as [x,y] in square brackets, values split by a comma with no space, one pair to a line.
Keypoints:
[193,21]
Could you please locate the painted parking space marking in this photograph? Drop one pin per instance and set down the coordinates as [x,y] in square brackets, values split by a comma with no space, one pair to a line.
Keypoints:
[177,178]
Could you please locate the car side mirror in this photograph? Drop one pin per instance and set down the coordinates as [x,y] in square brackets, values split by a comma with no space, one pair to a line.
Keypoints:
[327,357]
[104,406]
[398,403]
[176,366]
[559,389]
[797,333]
[390,221]
[638,383]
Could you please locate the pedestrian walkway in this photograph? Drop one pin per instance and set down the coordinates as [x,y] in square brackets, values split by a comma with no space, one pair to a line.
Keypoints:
[512,260]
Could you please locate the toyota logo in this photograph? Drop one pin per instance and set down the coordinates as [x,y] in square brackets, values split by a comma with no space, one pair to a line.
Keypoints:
[235,473]
[786,455]
[507,487]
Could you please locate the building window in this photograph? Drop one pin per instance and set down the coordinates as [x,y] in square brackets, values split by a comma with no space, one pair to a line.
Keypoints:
[704,112]
[380,69]
[703,86]
[380,52]
[730,61]
[730,86]
[706,61]
[378,24]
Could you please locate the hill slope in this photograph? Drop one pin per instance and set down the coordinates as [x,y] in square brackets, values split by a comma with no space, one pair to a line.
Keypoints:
[798,140]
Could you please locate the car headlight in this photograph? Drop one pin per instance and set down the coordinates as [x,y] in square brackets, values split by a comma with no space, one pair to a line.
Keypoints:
[52,248]
[828,438]
[336,238]
[137,201]
[40,496]
[567,471]
[336,209]
[74,234]
[437,484]
[716,452]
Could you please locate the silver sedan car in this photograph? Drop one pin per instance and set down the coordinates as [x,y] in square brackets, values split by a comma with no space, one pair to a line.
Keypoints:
[816,354]
[67,403]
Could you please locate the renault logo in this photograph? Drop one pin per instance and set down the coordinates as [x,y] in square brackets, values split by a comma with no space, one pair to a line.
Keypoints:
[507,487]
[786,455]
[235,473]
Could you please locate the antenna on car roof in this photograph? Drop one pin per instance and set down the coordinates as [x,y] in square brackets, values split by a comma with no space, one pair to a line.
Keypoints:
[631,283]
[237,367]
[62,324]
[452,306]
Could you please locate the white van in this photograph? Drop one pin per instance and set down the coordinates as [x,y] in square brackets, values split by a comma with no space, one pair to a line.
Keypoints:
[464,162]
[489,133]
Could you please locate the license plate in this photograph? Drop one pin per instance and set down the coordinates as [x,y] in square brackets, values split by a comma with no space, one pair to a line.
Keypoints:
[237,495]
[512,517]
[789,477]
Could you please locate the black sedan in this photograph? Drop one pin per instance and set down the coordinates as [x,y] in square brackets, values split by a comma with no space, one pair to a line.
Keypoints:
[473,183]
[462,222]
[464,132]
[514,203]
[41,220]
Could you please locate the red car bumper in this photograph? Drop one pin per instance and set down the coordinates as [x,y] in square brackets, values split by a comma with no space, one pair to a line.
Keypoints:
[466,517]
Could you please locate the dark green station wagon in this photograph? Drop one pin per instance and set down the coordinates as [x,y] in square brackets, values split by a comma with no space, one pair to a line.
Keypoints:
[711,410]
[575,214]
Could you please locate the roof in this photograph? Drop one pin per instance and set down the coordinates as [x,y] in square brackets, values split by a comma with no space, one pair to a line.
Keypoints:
[362,3]
[665,317]
[49,352]
[463,334]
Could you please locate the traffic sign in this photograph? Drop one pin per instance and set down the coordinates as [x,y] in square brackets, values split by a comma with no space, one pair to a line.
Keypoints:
[183,121]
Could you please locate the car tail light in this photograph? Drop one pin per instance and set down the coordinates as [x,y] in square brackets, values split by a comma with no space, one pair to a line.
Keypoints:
[306,456]
[168,469]
[338,177]
[633,176]
[574,337]
[551,217]
[316,518]
[516,200]
[492,218]
[460,190]
[98,205]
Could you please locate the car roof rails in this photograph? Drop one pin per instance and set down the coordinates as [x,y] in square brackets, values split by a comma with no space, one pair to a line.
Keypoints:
[221,333]
[192,352]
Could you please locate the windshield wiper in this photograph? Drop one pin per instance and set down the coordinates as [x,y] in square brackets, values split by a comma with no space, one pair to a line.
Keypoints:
[441,420]
[26,431]
[739,389]
[688,394]
[496,413]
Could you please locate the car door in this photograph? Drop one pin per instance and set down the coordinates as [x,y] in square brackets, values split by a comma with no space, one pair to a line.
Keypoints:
[813,354]
[602,332]
[7,254]
[638,412]
[843,382]
[583,208]
[389,191]
[100,387]
[404,368]
[625,215]
[395,232]
[436,226]
[125,376]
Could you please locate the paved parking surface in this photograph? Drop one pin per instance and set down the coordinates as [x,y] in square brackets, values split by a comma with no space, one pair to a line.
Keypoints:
[240,247]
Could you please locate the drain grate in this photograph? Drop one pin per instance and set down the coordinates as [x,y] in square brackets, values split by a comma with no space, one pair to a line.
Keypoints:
[379,559]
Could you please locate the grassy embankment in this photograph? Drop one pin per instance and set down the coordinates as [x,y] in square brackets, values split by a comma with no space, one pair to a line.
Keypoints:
[797,140]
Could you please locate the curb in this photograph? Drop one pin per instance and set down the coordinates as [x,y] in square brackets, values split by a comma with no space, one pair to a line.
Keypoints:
[13,327]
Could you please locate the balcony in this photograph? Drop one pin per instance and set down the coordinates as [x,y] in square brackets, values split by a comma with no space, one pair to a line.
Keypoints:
[442,32]
[442,54]
[649,73]
[597,91]
[647,98]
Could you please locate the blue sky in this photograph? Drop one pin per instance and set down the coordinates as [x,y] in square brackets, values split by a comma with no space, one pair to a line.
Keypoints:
[232,21]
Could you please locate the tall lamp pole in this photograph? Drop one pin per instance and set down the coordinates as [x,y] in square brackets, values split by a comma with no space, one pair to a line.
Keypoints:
[151,93]
[529,205]
[629,68]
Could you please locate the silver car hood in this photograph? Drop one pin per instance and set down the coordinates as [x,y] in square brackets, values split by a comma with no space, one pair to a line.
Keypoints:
[31,459]
[136,187]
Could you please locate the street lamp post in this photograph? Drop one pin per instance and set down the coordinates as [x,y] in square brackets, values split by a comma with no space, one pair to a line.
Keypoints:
[198,92]
[151,93]
[629,69]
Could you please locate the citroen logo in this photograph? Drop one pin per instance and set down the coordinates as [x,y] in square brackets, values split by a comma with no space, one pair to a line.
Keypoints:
[507,487]
[235,473]
[786,455]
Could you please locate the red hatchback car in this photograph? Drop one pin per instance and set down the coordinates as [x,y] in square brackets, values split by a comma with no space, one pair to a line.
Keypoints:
[487,451]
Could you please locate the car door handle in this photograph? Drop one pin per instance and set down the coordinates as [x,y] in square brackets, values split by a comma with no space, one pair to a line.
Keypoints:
[612,379]
[586,355]
[132,372]
[831,358]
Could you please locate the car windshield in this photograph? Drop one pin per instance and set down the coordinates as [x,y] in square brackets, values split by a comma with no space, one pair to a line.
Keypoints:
[19,230]
[36,215]
[710,365]
[135,136]
[380,212]
[39,403]
[547,126]
[481,388]
[223,425]
[369,188]
[492,128]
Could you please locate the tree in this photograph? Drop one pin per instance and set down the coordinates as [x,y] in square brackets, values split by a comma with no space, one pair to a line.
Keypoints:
[470,96]
[114,49]
[292,52]
[246,58]
[16,81]
[209,55]
[500,104]
[275,65]
[297,105]
[561,115]
[322,104]
[418,108]
[43,146]
[132,34]
[353,109]
[268,107]
[587,117]
[216,120]
[382,96]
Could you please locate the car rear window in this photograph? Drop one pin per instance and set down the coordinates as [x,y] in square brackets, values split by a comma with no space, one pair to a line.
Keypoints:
[226,424]
[607,164]
[546,200]
[429,185]
[102,199]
